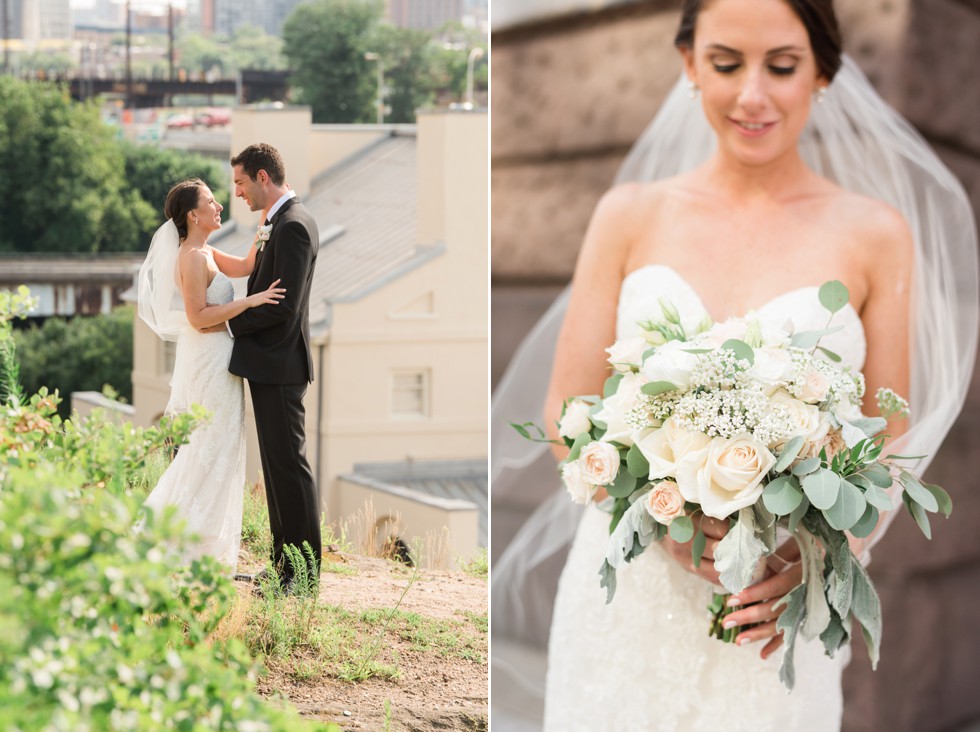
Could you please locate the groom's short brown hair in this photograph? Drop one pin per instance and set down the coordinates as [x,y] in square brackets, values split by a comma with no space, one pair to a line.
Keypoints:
[261,157]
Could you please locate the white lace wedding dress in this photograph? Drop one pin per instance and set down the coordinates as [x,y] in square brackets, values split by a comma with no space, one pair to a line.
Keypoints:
[645,661]
[206,480]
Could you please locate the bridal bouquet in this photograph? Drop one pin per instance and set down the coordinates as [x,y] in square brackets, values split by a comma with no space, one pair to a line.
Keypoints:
[748,422]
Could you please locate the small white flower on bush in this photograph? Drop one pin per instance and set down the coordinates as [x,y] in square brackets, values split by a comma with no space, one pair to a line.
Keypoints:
[580,489]
[732,475]
[665,502]
[628,353]
[600,462]
[575,421]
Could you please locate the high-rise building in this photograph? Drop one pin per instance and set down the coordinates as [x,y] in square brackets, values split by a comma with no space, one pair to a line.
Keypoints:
[200,16]
[423,14]
[269,15]
[36,20]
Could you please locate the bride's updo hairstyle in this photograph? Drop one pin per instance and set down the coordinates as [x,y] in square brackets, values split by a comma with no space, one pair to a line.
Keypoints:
[817,16]
[181,200]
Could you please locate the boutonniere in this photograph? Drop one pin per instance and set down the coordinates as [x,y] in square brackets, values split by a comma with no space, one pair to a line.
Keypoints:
[262,235]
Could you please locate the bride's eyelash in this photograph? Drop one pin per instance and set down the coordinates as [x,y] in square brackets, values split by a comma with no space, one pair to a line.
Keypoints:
[778,70]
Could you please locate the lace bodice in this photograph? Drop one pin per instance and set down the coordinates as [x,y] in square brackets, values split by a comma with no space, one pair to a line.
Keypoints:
[220,291]
[642,288]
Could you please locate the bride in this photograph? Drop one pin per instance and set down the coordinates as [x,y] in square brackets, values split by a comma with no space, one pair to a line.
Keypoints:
[798,190]
[184,297]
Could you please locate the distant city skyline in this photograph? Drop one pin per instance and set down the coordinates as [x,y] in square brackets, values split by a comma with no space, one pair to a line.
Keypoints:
[160,5]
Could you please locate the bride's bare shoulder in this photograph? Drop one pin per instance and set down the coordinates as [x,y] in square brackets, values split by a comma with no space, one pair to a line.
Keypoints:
[878,229]
[633,203]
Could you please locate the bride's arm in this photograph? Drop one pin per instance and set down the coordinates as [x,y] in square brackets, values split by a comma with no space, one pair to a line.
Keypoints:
[233,266]
[580,366]
[194,284]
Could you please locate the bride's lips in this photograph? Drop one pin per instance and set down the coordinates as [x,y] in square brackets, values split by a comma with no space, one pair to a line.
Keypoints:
[751,128]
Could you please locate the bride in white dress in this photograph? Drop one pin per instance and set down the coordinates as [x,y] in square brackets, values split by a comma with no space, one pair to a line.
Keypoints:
[754,228]
[184,297]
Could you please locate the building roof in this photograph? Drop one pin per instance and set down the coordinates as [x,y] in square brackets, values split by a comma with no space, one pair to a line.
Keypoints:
[366,209]
[51,267]
[459,481]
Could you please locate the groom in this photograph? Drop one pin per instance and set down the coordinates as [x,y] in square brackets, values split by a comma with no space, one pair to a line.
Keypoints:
[272,350]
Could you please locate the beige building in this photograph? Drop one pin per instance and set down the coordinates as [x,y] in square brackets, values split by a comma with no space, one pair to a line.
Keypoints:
[398,319]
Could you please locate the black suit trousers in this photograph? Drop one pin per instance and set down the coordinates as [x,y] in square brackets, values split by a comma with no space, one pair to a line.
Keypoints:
[291,491]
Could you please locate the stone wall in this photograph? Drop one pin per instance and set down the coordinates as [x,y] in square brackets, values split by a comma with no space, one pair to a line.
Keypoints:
[570,94]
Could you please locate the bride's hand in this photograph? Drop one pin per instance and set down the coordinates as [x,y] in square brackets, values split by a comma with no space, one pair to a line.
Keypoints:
[270,296]
[756,606]
[714,530]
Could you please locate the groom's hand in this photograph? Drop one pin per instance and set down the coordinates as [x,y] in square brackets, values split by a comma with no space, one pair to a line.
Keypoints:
[220,328]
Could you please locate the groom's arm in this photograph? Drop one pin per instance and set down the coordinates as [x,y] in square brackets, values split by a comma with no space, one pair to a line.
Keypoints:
[293,259]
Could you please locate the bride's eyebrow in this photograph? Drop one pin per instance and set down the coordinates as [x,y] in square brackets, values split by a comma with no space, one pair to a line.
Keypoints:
[772,52]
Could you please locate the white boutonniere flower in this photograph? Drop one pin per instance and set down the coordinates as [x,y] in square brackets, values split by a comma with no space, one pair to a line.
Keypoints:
[262,235]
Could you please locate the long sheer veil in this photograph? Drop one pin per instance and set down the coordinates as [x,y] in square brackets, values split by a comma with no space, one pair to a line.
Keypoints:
[853,138]
[159,301]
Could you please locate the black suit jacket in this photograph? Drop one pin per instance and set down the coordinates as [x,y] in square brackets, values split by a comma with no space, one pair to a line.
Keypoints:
[272,342]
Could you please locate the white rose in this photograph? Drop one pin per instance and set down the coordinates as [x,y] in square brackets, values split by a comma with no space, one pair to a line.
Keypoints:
[731,328]
[600,463]
[772,366]
[666,447]
[804,419]
[815,387]
[627,353]
[615,408]
[578,487]
[848,411]
[671,363]
[732,475]
[665,502]
[575,421]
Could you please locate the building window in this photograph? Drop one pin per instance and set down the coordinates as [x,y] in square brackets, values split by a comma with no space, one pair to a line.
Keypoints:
[168,356]
[410,394]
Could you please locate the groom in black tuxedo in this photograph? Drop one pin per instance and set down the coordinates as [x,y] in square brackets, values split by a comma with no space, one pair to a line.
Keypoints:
[272,350]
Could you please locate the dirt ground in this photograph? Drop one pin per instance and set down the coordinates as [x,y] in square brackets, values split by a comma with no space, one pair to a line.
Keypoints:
[432,692]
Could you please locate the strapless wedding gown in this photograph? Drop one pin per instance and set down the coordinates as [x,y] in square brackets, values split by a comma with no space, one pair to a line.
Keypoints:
[645,661]
[206,480]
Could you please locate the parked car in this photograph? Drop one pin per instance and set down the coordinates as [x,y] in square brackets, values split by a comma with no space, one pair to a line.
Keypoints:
[217,117]
[179,121]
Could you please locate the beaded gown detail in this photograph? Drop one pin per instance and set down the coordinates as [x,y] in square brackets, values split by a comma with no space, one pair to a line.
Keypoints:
[645,661]
[206,479]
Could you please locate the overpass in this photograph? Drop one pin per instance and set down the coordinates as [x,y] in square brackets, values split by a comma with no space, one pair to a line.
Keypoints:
[251,86]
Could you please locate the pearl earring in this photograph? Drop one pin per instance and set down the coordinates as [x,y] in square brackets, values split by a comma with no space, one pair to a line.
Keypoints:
[820,94]
[692,90]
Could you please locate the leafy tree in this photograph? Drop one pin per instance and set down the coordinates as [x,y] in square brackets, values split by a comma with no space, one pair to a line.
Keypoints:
[61,175]
[408,57]
[82,354]
[152,171]
[249,48]
[325,42]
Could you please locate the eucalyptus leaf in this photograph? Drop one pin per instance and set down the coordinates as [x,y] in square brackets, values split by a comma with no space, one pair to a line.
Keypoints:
[866,524]
[905,457]
[697,351]
[833,295]
[860,481]
[681,529]
[809,338]
[919,514]
[822,488]
[829,354]
[879,475]
[637,465]
[918,492]
[805,467]
[798,513]
[942,498]
[581,441]
[739,552]
[611,385]
[866,607]
[743,351]
[877,497]
[624,484]
[847,509]
[782,495]
[697,548]
[789,623]
[870,426]
[788,454]
[654,388]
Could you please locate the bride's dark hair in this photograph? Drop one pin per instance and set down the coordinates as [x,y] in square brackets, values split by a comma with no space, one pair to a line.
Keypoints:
[181,200]
[817,16]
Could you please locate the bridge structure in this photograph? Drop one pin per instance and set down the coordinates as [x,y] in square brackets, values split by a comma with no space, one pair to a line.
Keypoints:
[249,87]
